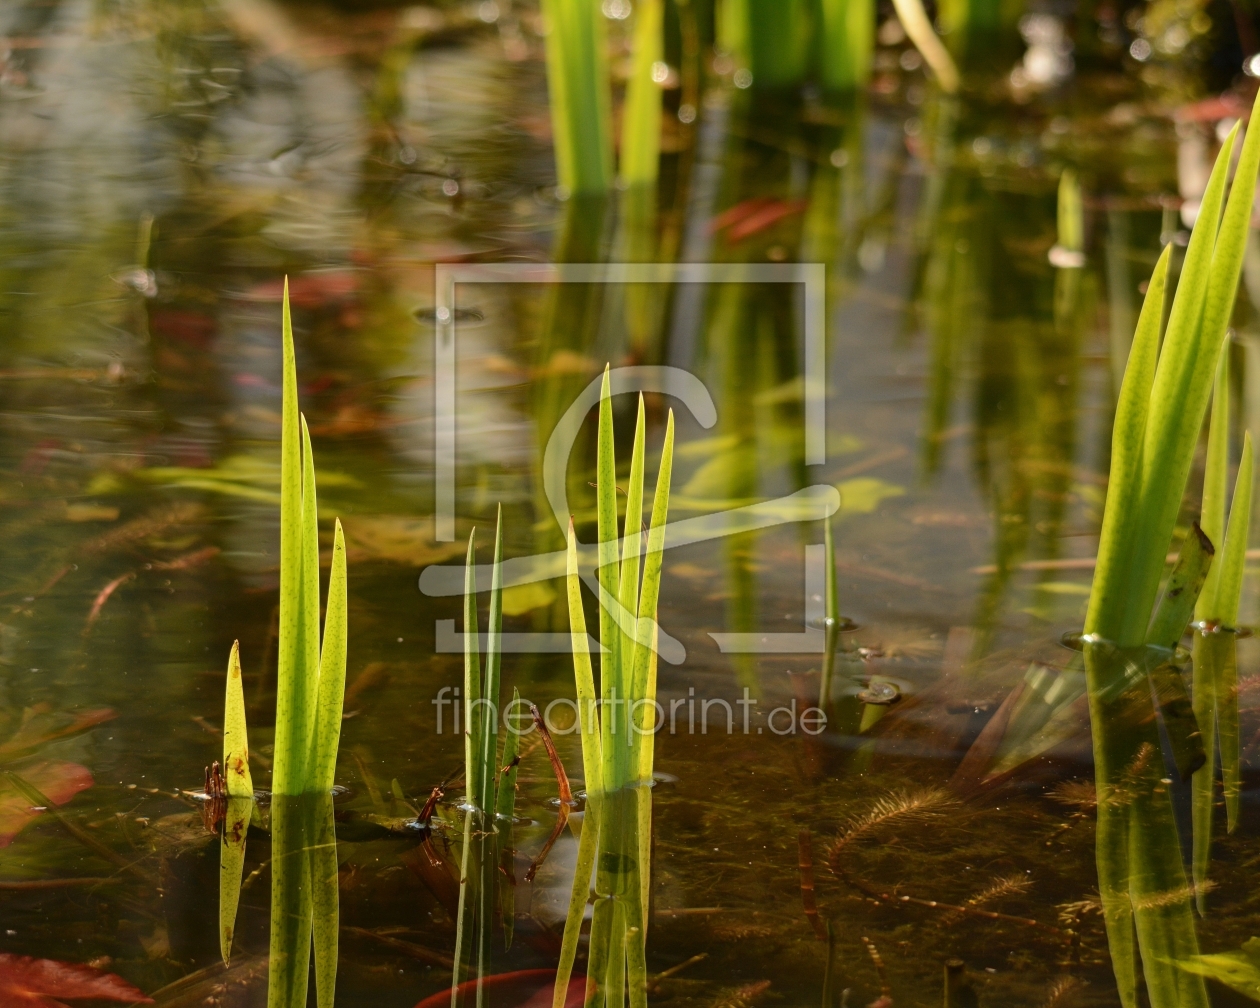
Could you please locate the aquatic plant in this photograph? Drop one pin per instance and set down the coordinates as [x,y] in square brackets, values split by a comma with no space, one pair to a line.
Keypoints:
[617,731]
[479,861]
[1160,411]
[769,39]
[580,95]
[918,27]
[847,39]
[1215,688]
[309,693]
[639,163]
[640,305]
[240,802]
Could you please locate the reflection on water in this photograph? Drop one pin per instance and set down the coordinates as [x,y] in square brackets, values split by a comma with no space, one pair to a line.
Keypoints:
[164,165]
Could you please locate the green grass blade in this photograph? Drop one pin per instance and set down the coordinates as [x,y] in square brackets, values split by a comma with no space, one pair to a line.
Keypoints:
[1230,586]
[628,583]
[1071,215]
[1210,659]
[588,716]
[650,594]
[1194,563]
[291,907]
[579,94]
[641,114]
[474,766]
[1215,486]
[240,784]
[613,683]
[832,611]
[490,724]
[231,869]
[918,26]
[325,915]
[643,796]
[293,716]
[588,844]
[308,619]
[1109,593]
[1231,238]
[332,670]
[1179,397]
[505,814]
[465,909]
[848,44]
[1234,553]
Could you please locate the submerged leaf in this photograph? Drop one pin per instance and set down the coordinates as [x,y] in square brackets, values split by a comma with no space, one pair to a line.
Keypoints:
[38,983]
[57,780]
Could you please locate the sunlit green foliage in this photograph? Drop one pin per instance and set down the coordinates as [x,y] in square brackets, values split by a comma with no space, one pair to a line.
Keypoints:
[1145,893]
[310,690]
[617,732]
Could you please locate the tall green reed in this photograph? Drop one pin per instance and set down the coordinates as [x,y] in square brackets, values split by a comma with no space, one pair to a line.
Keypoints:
[641,305]
[847,39]
[310,689]
[919,28]
[617,723]
[580,95]
[770,38]
[1163,399]
[486,789]
[1215,689]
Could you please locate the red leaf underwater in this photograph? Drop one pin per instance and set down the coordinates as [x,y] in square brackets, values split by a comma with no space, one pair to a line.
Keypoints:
[38,983]
[521,989]
[57,780]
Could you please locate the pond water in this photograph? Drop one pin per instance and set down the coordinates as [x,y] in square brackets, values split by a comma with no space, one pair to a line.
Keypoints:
[164,165]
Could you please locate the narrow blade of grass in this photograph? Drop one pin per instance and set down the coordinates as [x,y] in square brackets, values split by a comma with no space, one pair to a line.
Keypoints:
[474,765]
[293,716]
[505,815]
[309,607]
[325,915]
[1108,593]
[649,595]
[1215,485]
[1230,588]
[641,114]
[490,724]
[613,683]
[1179,397]
[332,670]
[588,718]
[291,907]
[915,21]
[588,847]
[240,783]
